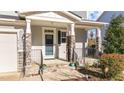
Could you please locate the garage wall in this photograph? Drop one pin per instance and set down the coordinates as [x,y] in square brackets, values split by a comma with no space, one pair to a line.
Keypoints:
[18,39]
[8,52]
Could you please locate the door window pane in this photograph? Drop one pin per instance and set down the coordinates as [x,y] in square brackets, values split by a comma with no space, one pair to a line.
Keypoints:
[49,44]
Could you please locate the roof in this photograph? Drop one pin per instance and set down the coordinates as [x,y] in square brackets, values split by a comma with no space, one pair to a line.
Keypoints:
[78,20]
[8,15]
[107,16]
[81,14]
[101,15]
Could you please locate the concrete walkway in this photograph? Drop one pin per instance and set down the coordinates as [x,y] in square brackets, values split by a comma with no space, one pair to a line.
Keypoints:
[57,70]
[11,76]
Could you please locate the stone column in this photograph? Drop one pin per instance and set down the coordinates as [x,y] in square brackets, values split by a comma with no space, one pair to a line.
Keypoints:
[98,41]
[70,42]
[28,45]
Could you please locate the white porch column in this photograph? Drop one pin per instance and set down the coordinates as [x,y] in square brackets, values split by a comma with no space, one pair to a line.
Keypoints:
[98,41]
[73,29]
[28,26]
[70,41]
[28,45]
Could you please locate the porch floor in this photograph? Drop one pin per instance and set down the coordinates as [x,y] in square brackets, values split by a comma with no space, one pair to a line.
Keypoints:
[57,70]
[55,62]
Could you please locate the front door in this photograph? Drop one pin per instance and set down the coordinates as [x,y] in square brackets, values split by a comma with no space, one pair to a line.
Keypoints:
[49,42]
[49,46]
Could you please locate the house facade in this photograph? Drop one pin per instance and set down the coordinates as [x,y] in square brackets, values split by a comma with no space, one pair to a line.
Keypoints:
[32,36]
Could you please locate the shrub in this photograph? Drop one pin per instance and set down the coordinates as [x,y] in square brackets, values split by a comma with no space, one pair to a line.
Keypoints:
[112,65]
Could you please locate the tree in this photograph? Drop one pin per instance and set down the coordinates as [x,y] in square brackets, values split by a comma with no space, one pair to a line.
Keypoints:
[114,38]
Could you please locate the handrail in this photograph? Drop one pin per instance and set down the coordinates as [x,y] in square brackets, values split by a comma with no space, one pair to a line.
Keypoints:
[75,58]
[41,66]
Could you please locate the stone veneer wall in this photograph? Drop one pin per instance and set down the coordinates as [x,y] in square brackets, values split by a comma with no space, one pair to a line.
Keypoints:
[28,55]
[20,49]
[25,67]
[70,46]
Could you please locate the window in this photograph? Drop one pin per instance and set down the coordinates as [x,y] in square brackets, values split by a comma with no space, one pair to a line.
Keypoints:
[63,37]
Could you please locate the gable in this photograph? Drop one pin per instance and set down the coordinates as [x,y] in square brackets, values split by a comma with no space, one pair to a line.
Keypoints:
[49,16]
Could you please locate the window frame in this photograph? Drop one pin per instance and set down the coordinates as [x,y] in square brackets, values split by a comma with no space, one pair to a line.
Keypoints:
[61,37]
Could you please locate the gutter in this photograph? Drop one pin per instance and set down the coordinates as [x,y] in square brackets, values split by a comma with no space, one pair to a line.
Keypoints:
[12,23]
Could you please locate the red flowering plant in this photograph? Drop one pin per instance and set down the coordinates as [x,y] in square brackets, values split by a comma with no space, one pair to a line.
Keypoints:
[112,65]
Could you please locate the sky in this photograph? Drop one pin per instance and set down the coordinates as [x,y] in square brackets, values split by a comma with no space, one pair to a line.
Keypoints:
[93,15]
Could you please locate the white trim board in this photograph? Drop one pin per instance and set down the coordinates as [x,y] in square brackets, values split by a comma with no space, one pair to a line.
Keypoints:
[43,42]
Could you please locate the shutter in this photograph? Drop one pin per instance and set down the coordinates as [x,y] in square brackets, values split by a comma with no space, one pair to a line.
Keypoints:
[59,37]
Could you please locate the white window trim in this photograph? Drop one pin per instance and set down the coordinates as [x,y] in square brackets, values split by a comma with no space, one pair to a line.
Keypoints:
[62,30]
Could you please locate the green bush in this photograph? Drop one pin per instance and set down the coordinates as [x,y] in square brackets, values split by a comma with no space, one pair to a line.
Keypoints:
[111,65]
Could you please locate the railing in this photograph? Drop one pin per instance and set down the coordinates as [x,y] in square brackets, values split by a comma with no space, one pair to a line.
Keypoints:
[75,58]
[91,52]
[37,58]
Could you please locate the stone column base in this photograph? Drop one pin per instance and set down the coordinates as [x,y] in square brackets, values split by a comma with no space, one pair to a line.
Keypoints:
[70,47]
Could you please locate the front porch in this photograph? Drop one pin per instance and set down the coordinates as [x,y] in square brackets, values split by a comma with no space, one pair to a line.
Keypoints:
[42,52]
[59,70]
[57,38]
